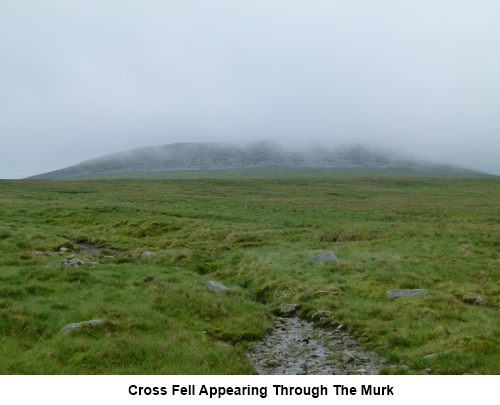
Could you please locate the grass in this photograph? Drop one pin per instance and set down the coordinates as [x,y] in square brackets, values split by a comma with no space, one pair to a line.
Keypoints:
[255,236]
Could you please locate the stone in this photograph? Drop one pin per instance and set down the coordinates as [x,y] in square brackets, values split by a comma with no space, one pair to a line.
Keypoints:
[63,249]
[148,254]
[287,309]
[405,293]
[74,262]
[109,257]
[479,300]
[326,292]
[77,325]
[215,286]
[321,314]
[347,357]
[432,355]
[325,257]
[427,370]
[469,297]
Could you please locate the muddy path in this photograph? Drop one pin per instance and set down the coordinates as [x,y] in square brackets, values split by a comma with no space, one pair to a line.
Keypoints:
[295,347]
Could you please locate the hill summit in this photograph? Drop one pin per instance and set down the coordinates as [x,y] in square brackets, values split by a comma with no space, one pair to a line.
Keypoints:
[226,156]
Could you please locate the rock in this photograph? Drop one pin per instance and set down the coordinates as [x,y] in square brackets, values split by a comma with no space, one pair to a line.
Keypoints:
[347,357]
[148,254]
[479,300]
[432,355]
[427,370]
[74,262]
[321,314]
[63,249]
[72,326]
[215,286]
[405,293]
[70,257]
[326,292]
[404,367]
[271,363]
[112,257]
[469,297]
[288,309]
[325,257]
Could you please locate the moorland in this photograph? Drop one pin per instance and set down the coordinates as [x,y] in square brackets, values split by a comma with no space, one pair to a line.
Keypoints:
[254,235]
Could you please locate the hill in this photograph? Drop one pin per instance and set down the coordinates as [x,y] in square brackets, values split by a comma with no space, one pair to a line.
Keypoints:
[182,157]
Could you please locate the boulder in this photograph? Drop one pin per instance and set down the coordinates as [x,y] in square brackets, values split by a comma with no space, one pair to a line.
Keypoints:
[325,257]
[321,314]
[148,254]
[288,309]
[77,325]
[215,286]
[405,293]
[74,262]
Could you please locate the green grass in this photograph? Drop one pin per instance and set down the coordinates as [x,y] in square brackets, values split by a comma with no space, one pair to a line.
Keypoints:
[255,236]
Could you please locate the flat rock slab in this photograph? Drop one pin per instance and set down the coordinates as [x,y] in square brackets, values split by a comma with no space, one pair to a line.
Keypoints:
[148,254]
[405,293]
[325,257]
[77,325]
[215,286]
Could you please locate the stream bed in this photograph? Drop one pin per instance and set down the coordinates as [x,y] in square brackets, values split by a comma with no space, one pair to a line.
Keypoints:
[295,347]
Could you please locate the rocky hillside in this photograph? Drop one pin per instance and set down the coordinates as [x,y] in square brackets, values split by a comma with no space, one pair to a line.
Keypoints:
[224,156]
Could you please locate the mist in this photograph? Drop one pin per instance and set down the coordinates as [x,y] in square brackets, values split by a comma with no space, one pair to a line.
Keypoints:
[79,80]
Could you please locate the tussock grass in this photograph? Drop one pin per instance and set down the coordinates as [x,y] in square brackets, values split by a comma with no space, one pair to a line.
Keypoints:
[256,236]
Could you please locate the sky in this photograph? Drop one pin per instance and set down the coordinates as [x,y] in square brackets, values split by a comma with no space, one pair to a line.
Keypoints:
[82,79]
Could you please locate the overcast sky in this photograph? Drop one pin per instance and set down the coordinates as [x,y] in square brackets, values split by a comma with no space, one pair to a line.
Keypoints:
[81,79]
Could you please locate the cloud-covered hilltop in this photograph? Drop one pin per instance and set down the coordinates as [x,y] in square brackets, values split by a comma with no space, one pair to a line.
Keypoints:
[224,156]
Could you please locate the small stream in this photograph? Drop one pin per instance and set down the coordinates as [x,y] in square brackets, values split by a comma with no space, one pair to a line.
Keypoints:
[295,347]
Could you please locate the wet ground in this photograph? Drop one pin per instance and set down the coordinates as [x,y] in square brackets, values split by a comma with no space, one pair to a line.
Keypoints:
[295,347]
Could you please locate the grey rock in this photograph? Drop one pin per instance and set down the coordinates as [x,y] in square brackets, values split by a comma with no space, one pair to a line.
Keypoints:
[74,262]
[77,325]
[405,293]
[321,314]
[325,257]
[63,249]
[148,254]
[427,370]
[347,358]
[287,309]
[479,300]
[215,286]
[432,355]
[326,292]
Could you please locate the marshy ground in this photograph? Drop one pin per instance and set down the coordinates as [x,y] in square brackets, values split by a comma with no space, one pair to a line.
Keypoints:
[256,237]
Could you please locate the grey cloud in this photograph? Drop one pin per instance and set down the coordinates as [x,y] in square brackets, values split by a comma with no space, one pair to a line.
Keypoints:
[85,79]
